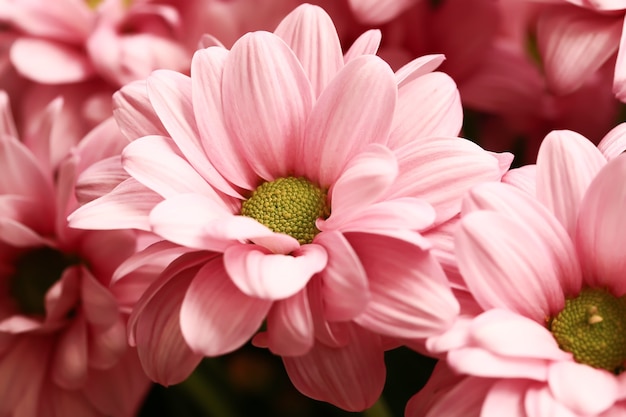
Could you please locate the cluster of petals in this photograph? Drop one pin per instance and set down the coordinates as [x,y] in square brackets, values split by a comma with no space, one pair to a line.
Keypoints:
[57,363]
[577,37]
[522,250]
[289,103]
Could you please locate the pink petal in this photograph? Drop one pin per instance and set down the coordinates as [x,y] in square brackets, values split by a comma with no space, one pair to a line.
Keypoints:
[107,345]
[98,304]
[207,67]
[7,124]
[481,362]
[267,99]
[18,235]
[366,44]
[410,295]
[540,402]
[261,274]
[613,143]
[21,172]
[417,68]
[619,78]
[134,112]
[537,220]
[581,388]
[311,35]
[351,377]
[354,110]
[378,11]
[506,396]
[602,229]
[127,206]
[49,62]
[523,178]
[197,221]
[427,106]
[217,318]
[170,96]
[290,326]
[441,171]
[164,354]
[331,334]
[363,181]
[506,266]
[574,43]
[505,333]
[345,290]
[155,162]
[566,164]
[99,179]
[69,368]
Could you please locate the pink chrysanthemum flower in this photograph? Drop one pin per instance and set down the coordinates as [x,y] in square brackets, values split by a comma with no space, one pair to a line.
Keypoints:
[64,350]
[547,273]
[293,173]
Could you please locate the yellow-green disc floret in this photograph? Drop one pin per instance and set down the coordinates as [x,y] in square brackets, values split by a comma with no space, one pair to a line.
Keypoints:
[592,327]
[288,205]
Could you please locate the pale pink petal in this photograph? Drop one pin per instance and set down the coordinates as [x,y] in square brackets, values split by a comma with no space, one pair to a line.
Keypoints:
[441,171]
[7,124]
[345,290]
[506,397]
[17,234]
[350,377]
[311,35]
[410,295]
[156,162]
[206,81]
[170,96]
[429,105]
[49,62]
[290,326]
[331,334]
[540,402]
[601,233]
[127,206]
[366,44]
[581,388]
[613,143]
[481,362]
[104,251]
[69,367]
[107,345]
[270,276]
[363,181]
[164,354]
[267,99]
[217,318]
[566,164]
[505,333]
[523,178]
[536,219]
[198,221]
[99,179]
[378,11]
[619,78]
[506,266]
[102,142]
[354,110]
[134,113]
[418,67]
[574,43]
[21,172]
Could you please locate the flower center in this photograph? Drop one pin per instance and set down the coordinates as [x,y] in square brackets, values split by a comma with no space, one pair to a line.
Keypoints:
[35,272]
[592,326]
[288,205]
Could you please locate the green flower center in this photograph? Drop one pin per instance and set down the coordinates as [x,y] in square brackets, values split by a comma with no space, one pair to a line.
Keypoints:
[35,272]
[288,205]
[592,326]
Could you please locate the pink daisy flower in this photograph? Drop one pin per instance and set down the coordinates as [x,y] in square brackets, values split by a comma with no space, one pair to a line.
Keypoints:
[547,273]
[293,172]
[64,350]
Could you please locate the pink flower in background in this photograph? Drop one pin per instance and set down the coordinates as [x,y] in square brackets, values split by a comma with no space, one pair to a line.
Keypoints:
[548,275]
[63,336]
[300,178]
[379,11]
[576,38]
